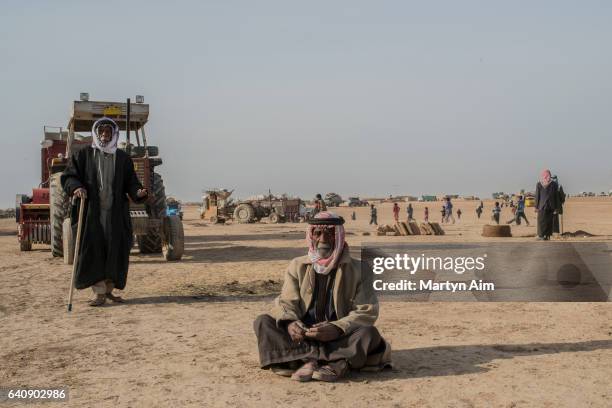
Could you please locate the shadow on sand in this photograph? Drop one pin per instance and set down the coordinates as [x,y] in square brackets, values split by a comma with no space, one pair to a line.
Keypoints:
[238,253]
[189,299]
[247,237]
[471,359]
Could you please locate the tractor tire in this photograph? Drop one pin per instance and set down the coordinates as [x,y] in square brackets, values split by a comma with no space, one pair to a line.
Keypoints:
[174,242]
[244,213]
[158,208]
[214,220]
[67,242]
[25,246]
[59,205]
[274,218]
[151,242]
[496,231]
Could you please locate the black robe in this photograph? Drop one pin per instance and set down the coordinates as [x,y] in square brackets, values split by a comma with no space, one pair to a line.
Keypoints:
[98,259]
[547,203]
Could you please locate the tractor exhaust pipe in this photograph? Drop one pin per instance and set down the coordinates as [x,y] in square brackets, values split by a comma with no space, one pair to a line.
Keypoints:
[128,148]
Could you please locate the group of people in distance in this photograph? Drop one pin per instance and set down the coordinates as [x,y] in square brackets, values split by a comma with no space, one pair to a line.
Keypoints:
[549,200]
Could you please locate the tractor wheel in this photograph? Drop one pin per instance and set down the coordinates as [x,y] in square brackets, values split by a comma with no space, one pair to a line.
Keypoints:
[67,242]
[158,208]
[151,242]
[214,220]
[274,218]
[59,206]
[174,243]
[244,213]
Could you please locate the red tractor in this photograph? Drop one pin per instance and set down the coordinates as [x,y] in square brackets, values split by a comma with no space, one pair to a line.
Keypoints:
[33,213]
[43,218]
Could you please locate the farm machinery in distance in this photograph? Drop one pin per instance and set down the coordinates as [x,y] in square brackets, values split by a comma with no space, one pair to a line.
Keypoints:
[218,207]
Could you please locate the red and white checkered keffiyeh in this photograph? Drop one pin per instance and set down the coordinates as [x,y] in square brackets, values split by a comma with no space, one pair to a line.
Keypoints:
[326,265]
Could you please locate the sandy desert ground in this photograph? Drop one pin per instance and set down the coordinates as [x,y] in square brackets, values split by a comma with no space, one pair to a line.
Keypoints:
[185,336]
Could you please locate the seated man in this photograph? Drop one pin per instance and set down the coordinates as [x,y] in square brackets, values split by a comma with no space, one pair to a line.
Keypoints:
[323,320]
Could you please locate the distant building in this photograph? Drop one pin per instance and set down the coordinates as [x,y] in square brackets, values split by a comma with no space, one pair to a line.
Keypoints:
[429,198]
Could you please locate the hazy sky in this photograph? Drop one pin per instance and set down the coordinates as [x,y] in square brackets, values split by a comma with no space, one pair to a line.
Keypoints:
[357,97]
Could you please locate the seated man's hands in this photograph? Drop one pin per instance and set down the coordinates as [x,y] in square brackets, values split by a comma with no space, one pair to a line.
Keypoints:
[324,331]
[142,193]
[80,193]
[296,331]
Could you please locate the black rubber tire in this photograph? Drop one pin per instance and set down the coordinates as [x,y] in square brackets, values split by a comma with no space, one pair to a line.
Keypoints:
[174,244]
[274,218]
[151,243]
[244,213]
[59,206]
[68,242]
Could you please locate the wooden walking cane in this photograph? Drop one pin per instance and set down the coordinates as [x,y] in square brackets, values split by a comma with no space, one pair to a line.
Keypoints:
[76,252]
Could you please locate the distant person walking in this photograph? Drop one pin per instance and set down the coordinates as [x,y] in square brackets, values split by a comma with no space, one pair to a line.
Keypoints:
[459,214]
[448,210]
[546,204]
[519,212]
[479,210]
[426,214]
[443,212]
[496,212]
[396,211]
[410,212]
[319,204]
[373,215]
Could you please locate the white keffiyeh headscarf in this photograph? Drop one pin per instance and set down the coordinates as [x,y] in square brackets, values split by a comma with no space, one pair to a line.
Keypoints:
[111,146]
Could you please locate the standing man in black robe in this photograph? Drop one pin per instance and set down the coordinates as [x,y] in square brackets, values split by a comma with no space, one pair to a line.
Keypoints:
[546,204]
[104,176]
